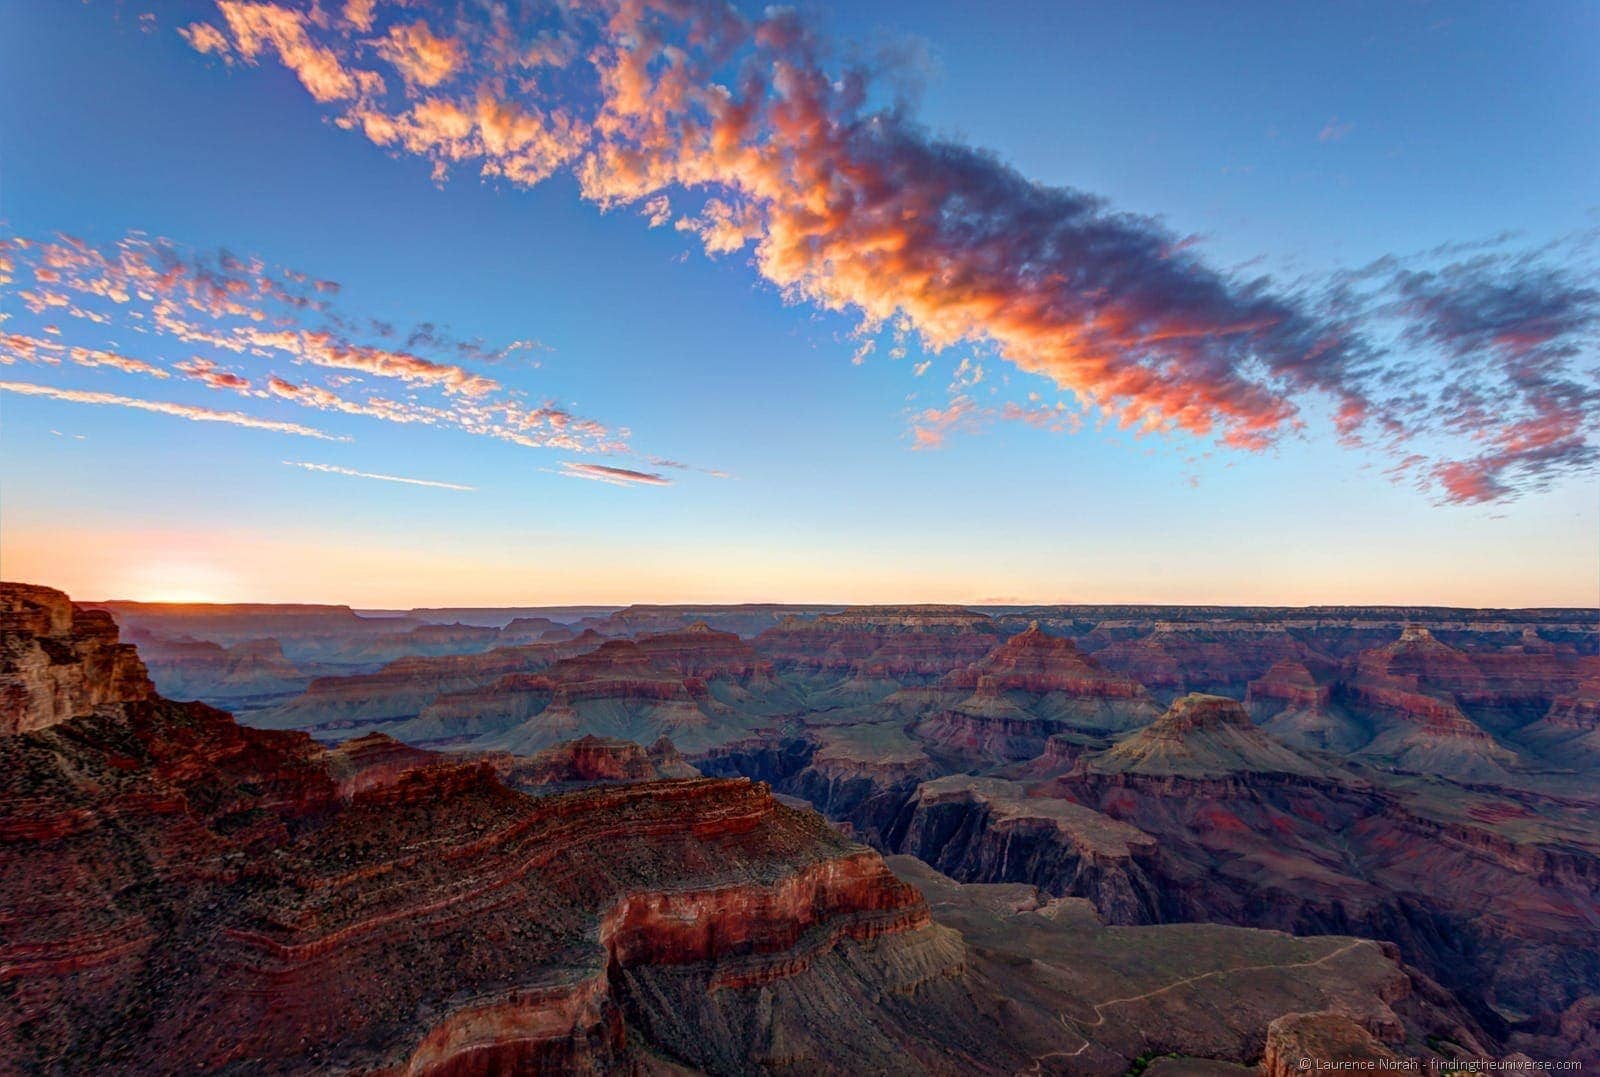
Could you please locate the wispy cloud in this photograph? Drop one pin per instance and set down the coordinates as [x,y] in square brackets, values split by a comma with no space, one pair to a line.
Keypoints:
[931,427]
[207,372]
[164,407]
[858,209]
[241,324]
[20,347]
[1334,130]
[334,469]
[616,476]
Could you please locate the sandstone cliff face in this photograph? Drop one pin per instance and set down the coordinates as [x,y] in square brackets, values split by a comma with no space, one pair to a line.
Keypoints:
[991,829]
[1335,1040]
[1578,710]
[1005,706]
[1502,688]
[58,662]
[1297,710]
[1420,725]
[1287,685]
[1478,904]
[996,725]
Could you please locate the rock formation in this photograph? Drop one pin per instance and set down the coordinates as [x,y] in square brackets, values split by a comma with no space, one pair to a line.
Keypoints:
[592,760]
[332,707]
[864,653]
[699,687]
[58,661]
[1201,736]
[245,675]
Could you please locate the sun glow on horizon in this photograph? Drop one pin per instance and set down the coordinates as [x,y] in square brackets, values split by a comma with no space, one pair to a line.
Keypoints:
[179,581]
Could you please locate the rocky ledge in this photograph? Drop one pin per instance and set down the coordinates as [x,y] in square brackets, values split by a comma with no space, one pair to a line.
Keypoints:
[58,661]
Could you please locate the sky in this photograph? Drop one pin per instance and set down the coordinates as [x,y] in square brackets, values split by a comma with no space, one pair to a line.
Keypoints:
[465,304]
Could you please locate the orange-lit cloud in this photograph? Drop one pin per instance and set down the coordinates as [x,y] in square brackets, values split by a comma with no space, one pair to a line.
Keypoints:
[778,151]
[422,57]
[164,407]
[334,469]
[203,37]
[257,28]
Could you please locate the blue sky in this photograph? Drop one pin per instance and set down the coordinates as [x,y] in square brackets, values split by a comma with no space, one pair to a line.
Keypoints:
[1310,140]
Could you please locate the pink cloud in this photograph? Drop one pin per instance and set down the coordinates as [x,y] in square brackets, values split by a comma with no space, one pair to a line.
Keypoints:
[615,476]
[273,316]
[1333,130]
[163,407]
[204,370]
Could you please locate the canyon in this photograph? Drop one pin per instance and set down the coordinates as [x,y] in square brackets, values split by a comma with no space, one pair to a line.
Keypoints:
[736,839]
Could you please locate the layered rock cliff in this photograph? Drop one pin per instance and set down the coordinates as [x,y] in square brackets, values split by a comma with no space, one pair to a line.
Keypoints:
[58,661]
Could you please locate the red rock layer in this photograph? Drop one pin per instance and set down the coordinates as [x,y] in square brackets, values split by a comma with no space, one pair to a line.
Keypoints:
[1580,710]
[1035,662]
[641,689]
[1287,685]
[696,652]
[912,642]
[1520,681]
[1391,680]
[1209,656]
[594,760]
[404,688]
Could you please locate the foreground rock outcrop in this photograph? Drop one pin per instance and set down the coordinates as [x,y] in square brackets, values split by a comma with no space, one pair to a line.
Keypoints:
[225,897]
[58,661]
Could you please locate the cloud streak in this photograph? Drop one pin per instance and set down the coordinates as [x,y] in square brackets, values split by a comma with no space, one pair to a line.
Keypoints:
[250,314]
[334,469]
[615,476]
[765,143]
[165,407]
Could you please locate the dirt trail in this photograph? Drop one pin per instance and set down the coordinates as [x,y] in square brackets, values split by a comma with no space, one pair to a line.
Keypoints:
[1100,1007]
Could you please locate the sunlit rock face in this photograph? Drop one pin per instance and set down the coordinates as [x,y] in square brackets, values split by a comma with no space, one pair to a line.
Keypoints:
[60,662]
